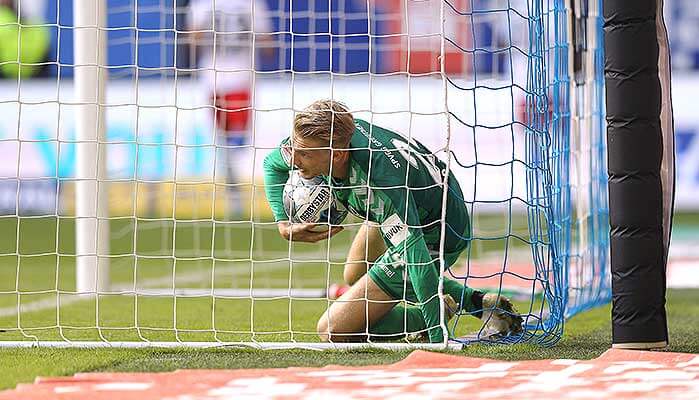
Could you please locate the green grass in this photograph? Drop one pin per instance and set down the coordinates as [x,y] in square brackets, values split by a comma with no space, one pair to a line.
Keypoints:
[37,264]
[587,336]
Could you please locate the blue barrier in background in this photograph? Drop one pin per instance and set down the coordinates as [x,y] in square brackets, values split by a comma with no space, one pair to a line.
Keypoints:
[153,26]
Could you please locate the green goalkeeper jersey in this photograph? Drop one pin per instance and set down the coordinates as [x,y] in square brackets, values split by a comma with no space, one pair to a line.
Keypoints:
[396,183]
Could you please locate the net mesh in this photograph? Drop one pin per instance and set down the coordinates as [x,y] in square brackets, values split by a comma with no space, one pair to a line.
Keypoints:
[193,253]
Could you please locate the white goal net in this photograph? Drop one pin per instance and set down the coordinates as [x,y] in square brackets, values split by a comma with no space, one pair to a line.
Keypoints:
[132,202]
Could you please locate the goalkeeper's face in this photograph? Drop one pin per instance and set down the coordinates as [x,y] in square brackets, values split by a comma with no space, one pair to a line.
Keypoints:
[313,157]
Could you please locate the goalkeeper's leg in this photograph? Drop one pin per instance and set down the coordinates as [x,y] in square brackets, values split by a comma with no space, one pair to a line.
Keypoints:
[366,311]
[373,307]
[496,311]
[349,317]
[366,248]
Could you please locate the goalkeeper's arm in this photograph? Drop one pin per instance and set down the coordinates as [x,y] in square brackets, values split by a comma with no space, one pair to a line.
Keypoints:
[276,171]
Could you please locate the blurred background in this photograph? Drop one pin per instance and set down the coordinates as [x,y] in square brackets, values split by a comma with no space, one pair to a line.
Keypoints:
[161,125]
[160,108]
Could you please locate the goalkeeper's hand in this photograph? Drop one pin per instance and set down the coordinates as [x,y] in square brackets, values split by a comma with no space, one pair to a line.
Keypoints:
[305,232]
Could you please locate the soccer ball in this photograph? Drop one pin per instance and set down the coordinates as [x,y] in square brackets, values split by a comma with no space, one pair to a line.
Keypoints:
[311,200]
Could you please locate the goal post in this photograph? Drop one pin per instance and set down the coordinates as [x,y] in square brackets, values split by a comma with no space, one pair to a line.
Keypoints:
[637,66]
[91,181]
[150,127]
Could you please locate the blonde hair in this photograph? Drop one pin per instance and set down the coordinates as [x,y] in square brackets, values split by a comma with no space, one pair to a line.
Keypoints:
[327,120]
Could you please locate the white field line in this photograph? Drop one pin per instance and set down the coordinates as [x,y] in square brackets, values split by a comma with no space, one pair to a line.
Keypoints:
[34,306]
[187,278]
[259,256]
[181,279]
[67,299]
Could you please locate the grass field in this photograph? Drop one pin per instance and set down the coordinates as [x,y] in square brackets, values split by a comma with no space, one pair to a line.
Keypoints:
[587,336]
[37,273]
[37,269]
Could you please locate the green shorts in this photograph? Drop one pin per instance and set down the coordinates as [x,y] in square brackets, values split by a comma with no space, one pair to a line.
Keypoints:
[391,276]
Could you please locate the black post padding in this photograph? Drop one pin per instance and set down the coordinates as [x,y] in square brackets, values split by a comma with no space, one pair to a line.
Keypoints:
[635,151]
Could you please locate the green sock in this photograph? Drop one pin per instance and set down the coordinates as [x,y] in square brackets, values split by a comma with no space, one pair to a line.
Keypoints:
[460,293]
[399,321]
[402,319]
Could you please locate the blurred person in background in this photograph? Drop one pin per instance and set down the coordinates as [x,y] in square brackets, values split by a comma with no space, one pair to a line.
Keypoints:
[225,35]
[24,42]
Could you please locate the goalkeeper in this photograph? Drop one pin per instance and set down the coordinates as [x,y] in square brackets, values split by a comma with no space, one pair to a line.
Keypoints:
[395,184]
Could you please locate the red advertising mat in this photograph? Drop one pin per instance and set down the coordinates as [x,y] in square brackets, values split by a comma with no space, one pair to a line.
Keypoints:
[617,374]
